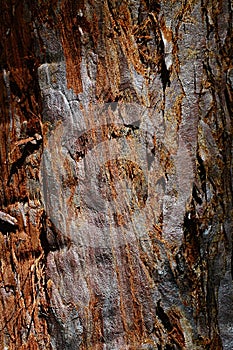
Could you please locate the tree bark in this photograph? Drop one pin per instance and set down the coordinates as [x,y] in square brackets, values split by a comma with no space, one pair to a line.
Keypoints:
[116,175]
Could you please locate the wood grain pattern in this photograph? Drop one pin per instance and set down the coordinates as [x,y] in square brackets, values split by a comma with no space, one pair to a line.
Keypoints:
[116,175]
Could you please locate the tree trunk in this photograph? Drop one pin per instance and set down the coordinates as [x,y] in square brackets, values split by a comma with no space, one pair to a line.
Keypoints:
[116,175]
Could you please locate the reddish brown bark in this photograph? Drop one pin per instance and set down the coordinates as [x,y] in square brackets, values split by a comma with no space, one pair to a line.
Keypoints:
[116,175]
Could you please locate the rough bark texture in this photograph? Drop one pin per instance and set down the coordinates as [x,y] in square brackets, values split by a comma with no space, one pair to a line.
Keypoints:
[116,174]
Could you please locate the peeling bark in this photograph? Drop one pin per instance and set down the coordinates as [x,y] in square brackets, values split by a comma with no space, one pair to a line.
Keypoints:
[116,175]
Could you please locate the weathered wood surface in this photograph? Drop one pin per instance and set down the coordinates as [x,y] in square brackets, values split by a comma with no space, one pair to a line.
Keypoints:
[116,175]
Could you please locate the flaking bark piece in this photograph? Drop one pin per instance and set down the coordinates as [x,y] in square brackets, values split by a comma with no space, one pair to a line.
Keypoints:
[8,219]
